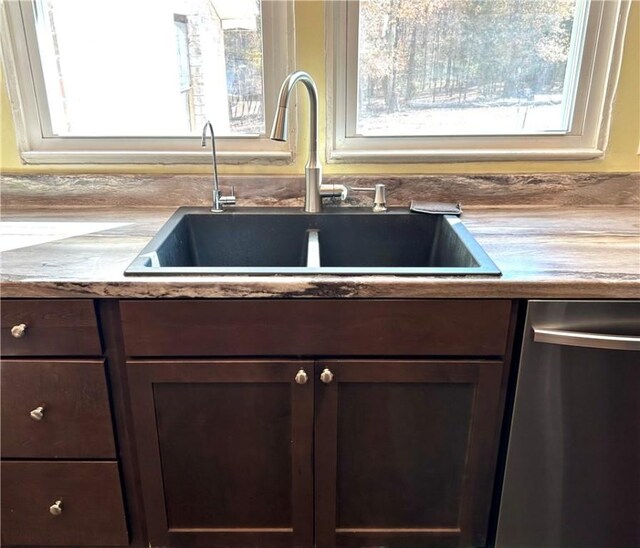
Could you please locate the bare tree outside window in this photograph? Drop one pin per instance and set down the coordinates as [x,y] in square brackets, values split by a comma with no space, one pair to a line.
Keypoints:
[463,67]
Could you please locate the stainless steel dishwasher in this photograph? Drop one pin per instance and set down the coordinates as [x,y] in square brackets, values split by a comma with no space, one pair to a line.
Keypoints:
[572,473]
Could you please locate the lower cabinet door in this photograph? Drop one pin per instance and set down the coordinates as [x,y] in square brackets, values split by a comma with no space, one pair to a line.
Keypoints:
[405,452]
[225,451]
[62,503]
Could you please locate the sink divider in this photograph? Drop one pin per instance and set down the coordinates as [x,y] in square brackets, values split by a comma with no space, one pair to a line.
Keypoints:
[313,248]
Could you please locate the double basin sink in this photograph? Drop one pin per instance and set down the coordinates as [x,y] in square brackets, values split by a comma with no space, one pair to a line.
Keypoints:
[348,241]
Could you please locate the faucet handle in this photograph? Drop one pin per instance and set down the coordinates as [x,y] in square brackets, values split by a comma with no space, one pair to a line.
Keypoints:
[379,197]
[230,199]
[334,190]
[219,200]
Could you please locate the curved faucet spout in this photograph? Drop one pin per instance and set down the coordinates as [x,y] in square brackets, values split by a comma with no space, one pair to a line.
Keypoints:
[218,199]
[313,169]
[214,160]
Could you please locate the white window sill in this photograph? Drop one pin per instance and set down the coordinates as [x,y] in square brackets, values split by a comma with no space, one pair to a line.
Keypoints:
[461,155]
[153,157]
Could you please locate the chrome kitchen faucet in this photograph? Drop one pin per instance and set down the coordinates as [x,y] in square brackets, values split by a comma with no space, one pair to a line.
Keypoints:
[314,189]
[218,199]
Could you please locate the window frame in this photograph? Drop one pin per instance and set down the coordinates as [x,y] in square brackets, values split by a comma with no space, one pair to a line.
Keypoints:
[182,20]
[37,144]
[586,138]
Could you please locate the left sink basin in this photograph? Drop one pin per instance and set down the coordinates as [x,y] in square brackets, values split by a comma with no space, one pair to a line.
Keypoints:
[196,241]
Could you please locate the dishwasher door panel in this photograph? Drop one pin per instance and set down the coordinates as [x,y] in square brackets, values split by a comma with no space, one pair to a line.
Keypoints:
[572,476]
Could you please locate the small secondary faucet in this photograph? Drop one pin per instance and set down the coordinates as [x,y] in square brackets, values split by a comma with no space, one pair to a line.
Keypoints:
[314,189]
[218,199]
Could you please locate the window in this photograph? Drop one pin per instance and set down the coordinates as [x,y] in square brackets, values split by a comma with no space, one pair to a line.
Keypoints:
[433,80]
[121,81]
[185,84]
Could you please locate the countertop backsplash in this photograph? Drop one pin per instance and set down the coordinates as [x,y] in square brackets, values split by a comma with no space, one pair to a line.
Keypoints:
[558,190]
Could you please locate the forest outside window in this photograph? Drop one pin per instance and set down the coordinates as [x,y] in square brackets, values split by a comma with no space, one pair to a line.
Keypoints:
[122,81]
[432,80]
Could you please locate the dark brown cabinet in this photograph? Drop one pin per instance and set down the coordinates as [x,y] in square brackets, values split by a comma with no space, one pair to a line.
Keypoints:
[226,448]
[62,503]
[404,452]
[46,327]
[390,438]
[61,482]
[379,428]
[55,409]
[253,423]
[403,455]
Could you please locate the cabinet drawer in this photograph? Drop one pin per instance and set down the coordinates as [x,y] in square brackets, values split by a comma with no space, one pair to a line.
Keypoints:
[55,409]
[91,503]
[316,327]
[51,328]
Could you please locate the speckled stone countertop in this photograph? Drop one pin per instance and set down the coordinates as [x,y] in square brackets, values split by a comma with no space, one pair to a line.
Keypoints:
[561,249]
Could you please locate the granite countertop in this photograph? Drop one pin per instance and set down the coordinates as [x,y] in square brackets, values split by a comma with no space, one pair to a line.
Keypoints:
[543,252]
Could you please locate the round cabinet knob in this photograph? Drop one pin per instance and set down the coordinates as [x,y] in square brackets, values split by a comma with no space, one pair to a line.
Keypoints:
[37,414]
[18,331]
[56,508]
[326,376]
[301,377]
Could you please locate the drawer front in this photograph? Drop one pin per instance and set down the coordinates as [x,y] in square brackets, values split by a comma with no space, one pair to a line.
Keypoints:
[49,328]
[92,512]
[316,327]
[55,409]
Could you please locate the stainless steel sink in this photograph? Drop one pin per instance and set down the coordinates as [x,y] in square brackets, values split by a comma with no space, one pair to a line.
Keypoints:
[342,240]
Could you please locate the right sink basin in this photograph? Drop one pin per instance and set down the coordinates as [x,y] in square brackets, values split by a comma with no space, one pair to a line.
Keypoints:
[399,239]
[340,240]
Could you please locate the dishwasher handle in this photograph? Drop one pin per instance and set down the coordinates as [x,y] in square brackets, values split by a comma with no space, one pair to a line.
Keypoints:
[586,340]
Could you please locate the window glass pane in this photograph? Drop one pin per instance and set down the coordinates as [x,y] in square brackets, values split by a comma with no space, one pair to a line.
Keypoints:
[466,67]
[152,67]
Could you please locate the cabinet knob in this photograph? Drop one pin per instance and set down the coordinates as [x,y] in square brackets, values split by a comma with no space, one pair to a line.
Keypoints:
[37,414]
[326,376]
[301,377]
[56,508]
[18,331]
